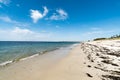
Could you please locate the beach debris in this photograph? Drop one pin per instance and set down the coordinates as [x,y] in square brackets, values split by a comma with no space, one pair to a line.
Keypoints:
[111,77]
[109,62]
[88,65]
[104,56]
[89,75]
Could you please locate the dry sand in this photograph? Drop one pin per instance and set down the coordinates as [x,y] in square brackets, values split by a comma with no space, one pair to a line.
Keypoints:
[97,60]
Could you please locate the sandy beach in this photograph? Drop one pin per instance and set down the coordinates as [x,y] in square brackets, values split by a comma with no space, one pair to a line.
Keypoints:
[59,39]
[86,61]
[49,67]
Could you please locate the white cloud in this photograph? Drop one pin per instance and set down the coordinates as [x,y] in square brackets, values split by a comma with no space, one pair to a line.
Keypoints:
[36,15]
[20,34]
[15,23]
[4,2]
[17,30]
[45,11]
[7,19]
[60,15]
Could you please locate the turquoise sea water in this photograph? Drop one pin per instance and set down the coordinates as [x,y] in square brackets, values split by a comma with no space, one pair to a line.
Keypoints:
[13,50]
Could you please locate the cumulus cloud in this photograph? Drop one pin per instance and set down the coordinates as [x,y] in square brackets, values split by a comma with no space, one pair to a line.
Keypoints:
[20,34]
[36,14]
[60,15]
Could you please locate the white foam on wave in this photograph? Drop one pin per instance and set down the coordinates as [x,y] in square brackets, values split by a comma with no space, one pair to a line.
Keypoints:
[5,63]
[29,57]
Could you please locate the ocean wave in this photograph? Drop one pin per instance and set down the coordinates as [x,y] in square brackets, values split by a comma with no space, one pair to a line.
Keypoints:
[5,63]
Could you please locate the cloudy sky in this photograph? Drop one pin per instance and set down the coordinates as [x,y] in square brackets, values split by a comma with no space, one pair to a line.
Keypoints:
[58,20]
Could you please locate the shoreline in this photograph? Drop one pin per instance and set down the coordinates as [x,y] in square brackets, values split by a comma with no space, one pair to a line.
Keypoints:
[6,63]
[34,68]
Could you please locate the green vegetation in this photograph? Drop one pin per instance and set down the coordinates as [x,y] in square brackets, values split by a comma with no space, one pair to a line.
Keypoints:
[99,39]
[110,38]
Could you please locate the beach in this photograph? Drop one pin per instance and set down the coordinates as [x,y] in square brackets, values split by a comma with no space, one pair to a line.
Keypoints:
[59,39]
[85,61]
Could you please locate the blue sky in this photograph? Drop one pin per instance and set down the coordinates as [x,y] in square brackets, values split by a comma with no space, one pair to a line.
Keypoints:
[58,20]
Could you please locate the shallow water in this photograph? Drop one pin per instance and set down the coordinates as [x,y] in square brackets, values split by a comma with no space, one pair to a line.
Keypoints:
[13,50]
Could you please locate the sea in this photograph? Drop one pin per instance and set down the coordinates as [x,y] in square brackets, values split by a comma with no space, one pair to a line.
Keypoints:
[11,51]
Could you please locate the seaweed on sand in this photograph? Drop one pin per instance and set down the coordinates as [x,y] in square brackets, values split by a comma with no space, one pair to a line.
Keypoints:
[111,77]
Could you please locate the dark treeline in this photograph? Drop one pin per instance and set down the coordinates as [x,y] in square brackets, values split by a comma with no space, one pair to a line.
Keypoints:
[99,39]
